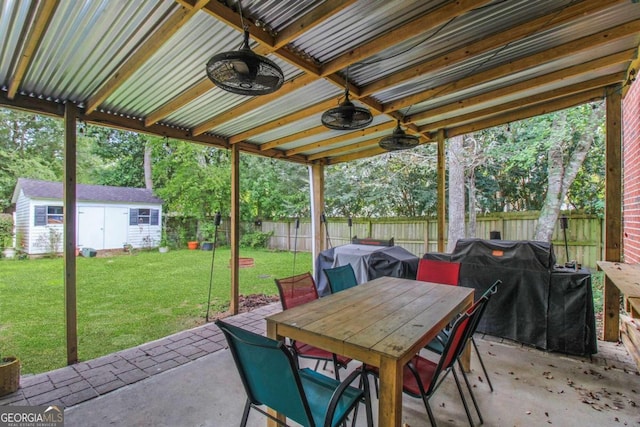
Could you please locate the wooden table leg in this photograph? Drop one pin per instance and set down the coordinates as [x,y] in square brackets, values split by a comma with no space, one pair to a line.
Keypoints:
[465,357]
[611,317]
[272,332]
[390,403]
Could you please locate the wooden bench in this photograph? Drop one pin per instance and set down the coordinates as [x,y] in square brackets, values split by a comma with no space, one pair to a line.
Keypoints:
[625,278]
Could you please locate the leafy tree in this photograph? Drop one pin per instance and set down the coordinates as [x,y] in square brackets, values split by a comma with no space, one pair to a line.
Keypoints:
[272,188]
[572,135]
[192,180]
[122,155]
[402,183]
[30,147]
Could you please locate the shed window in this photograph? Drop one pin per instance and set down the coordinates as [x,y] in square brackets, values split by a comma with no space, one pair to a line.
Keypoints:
[45,215]
[144,216]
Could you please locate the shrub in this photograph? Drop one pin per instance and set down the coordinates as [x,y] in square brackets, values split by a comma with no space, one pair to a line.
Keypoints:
[6,230]
[51,242]
[255,239]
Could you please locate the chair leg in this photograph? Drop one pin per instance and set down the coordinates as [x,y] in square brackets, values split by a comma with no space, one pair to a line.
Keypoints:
[432,419]
[336,367]
[367,399]
[464,401]
[473,397]
[245,414]
[486,375]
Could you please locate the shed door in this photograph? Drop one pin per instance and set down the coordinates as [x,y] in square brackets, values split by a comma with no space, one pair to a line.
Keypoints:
[116,225]
[91,227]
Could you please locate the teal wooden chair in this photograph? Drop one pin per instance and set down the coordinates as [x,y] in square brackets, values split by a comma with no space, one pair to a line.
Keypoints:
[271,378]
[341,278]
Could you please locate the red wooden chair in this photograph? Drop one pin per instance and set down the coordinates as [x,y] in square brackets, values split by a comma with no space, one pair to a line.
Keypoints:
[298,290]
[435,271]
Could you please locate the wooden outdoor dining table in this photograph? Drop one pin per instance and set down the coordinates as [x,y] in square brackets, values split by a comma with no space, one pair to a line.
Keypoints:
[383,323]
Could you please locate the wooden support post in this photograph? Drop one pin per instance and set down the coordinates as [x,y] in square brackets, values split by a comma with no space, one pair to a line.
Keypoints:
[316,184]
[235,229]
[442,211]
[70,208]
[613,210]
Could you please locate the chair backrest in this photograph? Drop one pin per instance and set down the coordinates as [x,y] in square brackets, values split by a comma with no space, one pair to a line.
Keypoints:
[296,290]
[341,278]
[482,303]
[435,271]
[268,372]
[460,333]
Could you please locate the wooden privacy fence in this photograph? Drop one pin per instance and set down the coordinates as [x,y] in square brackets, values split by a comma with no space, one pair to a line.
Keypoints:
[419,235]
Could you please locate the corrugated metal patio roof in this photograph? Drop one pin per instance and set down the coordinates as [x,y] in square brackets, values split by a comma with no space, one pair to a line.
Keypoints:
[457,66]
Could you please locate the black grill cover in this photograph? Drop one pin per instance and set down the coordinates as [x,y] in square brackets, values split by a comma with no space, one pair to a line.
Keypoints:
[536,303]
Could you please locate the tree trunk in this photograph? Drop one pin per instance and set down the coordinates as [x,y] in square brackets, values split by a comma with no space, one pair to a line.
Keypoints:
[552,202]
[563,173]
[456,191]
[148,180]
[471,226]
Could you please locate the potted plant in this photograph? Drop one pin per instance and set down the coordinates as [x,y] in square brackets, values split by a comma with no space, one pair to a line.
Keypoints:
[9,375]
[208,235]
[6,236]
[164,243]
[9,251]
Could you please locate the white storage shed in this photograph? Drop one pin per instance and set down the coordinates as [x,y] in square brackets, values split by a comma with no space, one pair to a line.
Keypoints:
[108,217]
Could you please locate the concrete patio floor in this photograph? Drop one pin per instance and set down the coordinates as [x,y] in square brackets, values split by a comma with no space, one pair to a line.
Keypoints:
[189,379]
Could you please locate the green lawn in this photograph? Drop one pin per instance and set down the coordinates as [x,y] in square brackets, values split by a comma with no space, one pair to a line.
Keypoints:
[122,301]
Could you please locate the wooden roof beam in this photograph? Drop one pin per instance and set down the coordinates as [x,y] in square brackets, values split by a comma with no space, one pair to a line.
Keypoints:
[195,91]
[283,121]
[225,14]
[314,17]
[532,111]
[144,51]
[488,43]
[422,24]
[267,42]
[344,149]
[570,48]
[296,136]
[42,14]
[255,102]
[632,73]
[522,86]
[311,19]
[356,156]
[485,113]
[341,138]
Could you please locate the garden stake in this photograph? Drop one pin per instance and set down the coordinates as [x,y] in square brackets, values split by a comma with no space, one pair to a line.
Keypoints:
[295,246]
[213,255]
[323,219]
